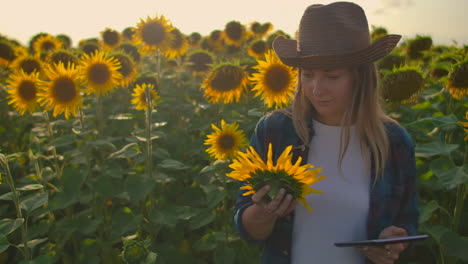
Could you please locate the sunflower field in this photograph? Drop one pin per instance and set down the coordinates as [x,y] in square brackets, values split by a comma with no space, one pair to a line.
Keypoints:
[116,150]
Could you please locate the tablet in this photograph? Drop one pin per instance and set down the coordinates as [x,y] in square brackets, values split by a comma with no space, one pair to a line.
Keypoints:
[381,241]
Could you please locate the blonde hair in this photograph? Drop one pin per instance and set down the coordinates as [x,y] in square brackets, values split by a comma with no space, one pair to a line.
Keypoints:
[365,112]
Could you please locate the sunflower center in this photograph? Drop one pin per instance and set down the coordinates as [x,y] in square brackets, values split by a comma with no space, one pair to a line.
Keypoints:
[226,142]
[125,65]
[99,73]
[226,80]
[63,57]
[258,47]
[111,38]
[64,89]
[27,90]
[30,65]
[6,52]
[234,31]
[459,77]
[153,33]
[200,61]
[277,78]
[48,46]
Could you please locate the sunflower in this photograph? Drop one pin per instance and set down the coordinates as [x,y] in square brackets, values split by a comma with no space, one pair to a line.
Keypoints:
[465,126]
[22,89]
[127,67]
[200,61]
[225,83]
[89,47]
[257,48]
[62,91]
[260,30]
[215,40]
[46,43]
[274,81]
[28,63]
[148,80]
[294,178]
[402,84]
[64,56]
[111,39]
[65,39]
[153,34]
[139,96]
[457,84]
[226,141]
[128,33]
[131,50]
[178,44]
[194,39]
[417,46]
[100,73]
[234,33]
[7,53]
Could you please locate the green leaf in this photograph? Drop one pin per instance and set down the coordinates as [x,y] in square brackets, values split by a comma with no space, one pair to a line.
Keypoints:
[434,148]
[123,222]
[138,186]
[44,259]
[454,177]
[62,141]
[455,245]
[4,244]
[172,164]
[435,231]
[168,216]
[107,186]
[206,243]
[224,255]
[427,210]
[30,187]
[72,180]
[214,196]
[203,218]
[32,202]
[444,121]
[7,196]
[9,225]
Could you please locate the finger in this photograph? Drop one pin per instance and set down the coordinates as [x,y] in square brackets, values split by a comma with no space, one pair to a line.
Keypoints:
[273,205]
[283,207]
[393,231]
[258,196]
[381,255]
[291,207]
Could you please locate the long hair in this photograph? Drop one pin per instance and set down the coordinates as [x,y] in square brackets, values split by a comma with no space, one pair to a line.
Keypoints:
[365,112]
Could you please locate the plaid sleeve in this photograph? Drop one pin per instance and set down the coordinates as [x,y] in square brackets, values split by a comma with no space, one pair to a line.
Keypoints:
[409,207]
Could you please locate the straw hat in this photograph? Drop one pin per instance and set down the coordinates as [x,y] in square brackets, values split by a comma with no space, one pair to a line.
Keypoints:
[333,36]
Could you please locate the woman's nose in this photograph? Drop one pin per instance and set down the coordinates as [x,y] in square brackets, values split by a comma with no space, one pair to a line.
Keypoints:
[318,88]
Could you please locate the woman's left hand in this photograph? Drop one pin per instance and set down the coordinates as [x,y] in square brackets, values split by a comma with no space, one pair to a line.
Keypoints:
[389,253]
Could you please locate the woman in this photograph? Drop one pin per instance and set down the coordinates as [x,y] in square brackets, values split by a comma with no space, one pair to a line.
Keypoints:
[336,123]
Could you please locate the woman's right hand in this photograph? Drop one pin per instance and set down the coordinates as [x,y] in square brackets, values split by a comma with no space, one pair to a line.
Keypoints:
[280,206]
[260,218]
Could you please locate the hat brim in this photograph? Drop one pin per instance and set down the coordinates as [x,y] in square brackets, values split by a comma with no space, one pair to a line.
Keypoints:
[286,49]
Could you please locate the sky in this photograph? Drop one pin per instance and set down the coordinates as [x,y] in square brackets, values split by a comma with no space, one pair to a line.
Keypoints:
[443,20]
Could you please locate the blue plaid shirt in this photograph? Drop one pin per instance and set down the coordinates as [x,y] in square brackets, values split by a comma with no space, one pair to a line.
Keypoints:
[393,198]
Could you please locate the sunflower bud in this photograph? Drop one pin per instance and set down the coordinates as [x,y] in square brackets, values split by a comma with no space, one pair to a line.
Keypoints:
[401,84]
[391,61]
[417,46]
[458,81]
[134,252]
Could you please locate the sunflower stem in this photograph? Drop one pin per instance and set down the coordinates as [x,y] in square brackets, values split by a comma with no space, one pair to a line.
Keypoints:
[5,170]
[99,115]
[148,121]
[50,134]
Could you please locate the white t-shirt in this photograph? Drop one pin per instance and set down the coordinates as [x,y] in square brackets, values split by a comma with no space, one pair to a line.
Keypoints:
[340,213]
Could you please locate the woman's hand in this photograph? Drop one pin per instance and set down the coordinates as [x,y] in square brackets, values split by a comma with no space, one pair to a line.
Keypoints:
[389,253]
[280,206]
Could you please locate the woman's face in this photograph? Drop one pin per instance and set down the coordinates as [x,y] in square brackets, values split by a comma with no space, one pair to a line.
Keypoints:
[329,91]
